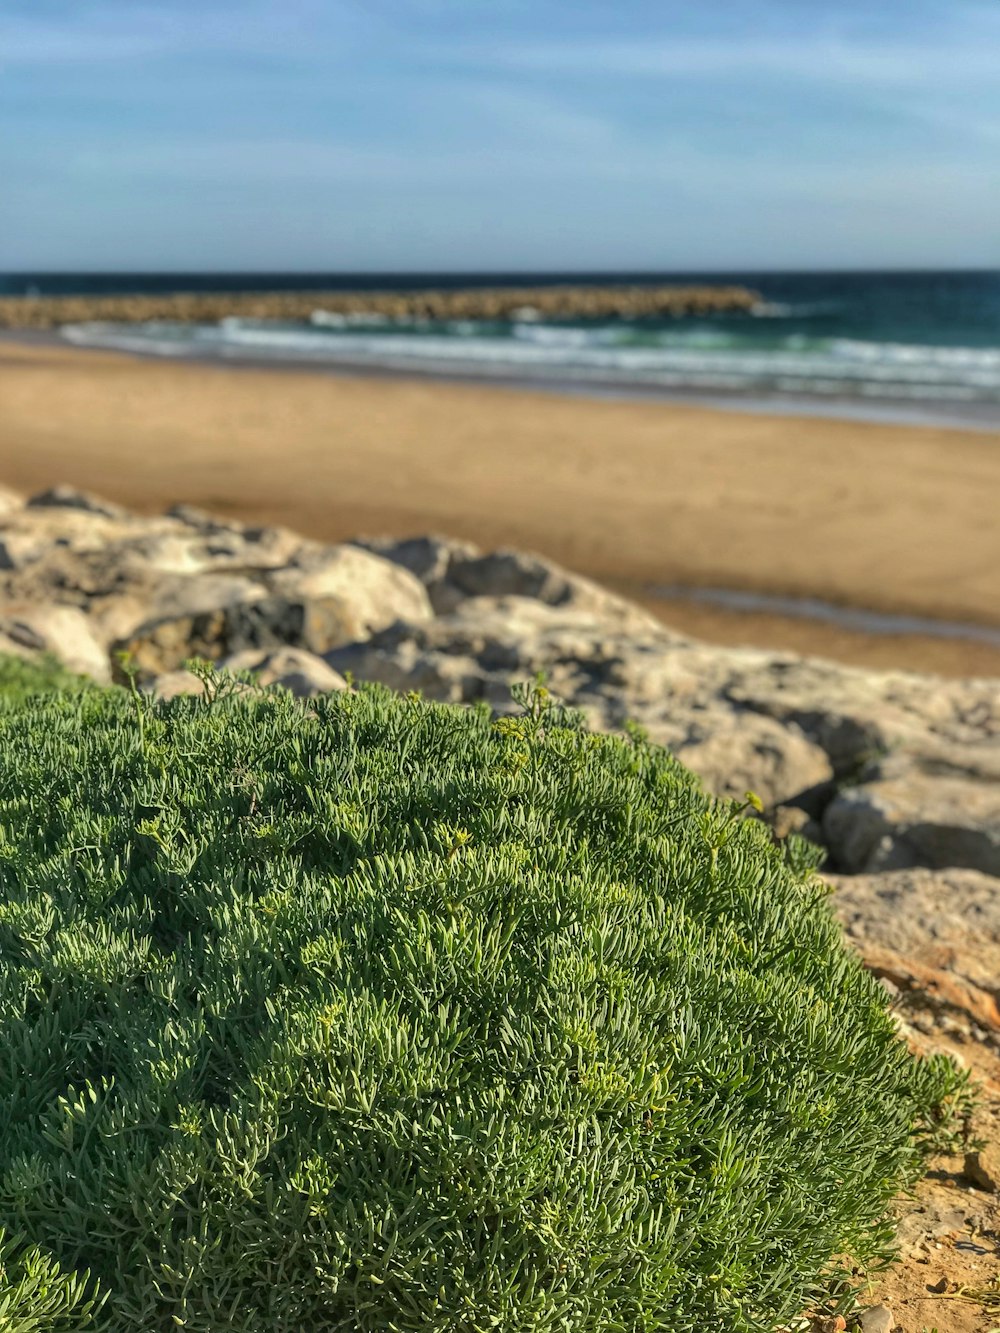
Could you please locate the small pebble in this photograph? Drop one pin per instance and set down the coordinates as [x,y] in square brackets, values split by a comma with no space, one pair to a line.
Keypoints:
[879,1319]
[983,1168]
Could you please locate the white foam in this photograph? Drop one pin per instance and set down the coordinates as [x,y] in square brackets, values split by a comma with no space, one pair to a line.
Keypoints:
[696,358]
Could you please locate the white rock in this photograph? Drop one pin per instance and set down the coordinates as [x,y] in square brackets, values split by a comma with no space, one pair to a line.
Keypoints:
[303,673]
[64,632]
[915,819]
[372,592]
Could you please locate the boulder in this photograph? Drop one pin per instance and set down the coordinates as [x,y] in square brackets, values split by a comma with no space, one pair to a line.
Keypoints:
[454,571]
[62,631]
[119,616]
[172,684]
[52,537]
[370,592]
[858,716]
[914,819]
[68,497]
[270,621]
[736,752]
[304,674]
[430,559]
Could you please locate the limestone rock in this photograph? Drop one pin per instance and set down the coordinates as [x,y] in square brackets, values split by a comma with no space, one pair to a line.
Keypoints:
[304,674]
[430,559]
[936,932]
[983,1167]
[746,751]
[172,684]
[877,1319]
[914,819]
[62,631]
[68,497]
[453,572]
[370,592]
[316,624]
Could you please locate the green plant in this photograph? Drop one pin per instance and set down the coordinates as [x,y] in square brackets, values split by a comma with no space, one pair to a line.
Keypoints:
[22,677]
[376,1015]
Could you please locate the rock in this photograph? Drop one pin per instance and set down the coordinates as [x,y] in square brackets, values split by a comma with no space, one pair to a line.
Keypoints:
[304,674]
[786,820]
[453,572]
[983,1168]
[18,549]
[202,594]
[259,622]
[430,559]
[51,538]
[935,933]
[9,501]
[172,684]
[914,819]
[746,751]
[857,716]
[504,574]
[201,520]
[62,631]
[370,592]
[68,497]
[877,1319]
[118,617]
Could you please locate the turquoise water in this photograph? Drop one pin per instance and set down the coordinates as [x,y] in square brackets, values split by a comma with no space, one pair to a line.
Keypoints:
[858,343]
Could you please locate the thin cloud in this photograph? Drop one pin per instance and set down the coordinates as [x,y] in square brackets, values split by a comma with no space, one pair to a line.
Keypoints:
[103,33]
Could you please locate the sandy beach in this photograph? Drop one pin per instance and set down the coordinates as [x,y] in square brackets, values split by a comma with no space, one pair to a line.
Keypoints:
[640,495]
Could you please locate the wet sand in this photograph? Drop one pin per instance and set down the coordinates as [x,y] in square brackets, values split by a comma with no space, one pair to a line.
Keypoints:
[641,495]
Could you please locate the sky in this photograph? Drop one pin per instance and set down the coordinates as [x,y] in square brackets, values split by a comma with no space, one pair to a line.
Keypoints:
[393,135]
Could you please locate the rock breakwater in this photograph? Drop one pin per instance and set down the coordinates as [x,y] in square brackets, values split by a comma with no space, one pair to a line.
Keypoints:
[500,303]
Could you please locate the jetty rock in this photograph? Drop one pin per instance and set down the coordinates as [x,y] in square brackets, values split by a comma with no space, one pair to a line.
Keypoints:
[609,301]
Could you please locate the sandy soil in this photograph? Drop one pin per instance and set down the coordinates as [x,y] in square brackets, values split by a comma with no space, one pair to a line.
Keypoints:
[900,519]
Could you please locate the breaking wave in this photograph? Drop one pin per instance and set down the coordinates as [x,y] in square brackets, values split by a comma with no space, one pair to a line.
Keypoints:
[704,357]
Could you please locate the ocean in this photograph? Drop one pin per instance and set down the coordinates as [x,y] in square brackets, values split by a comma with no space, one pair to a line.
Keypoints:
[894,345]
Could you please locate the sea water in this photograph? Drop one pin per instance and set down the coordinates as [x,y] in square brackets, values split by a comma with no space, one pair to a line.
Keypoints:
[894,344]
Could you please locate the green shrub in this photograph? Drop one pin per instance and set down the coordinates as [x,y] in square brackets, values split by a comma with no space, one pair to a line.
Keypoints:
[22,677]
[381,1016]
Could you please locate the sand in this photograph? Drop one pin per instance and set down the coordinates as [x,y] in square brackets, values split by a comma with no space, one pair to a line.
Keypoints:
[638,494]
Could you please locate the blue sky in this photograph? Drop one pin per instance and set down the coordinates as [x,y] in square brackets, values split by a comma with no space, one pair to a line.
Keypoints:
[499,134]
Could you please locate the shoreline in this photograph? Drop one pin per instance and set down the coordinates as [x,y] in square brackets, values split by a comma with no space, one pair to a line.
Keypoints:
[979,418]
[639,494]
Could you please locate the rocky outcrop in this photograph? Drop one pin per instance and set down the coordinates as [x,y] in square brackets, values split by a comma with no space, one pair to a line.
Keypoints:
[890,770]
[934,935]
[915,819]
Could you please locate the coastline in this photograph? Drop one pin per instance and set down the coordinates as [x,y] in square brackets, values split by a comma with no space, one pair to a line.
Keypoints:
[979,416]
[636,492]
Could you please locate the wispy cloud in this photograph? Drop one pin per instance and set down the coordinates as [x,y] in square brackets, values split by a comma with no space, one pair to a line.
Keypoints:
[610,130]
[802,59]
[104,32]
